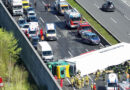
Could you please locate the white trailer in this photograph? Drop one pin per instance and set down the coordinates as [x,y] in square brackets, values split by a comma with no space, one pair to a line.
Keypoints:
[15,7]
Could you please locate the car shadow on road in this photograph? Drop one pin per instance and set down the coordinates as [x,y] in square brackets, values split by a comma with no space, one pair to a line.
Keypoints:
[60,25]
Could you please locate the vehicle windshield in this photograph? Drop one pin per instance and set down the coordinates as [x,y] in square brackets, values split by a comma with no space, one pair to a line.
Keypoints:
[26,26]
[17,7]
[25,4]
[86,28]
[22,21]
[51,31]
[76,19]
[31,13]
[33,19]
[32,32]
[35,40]
[94,37]
[47,53]
[112,84]
[64,8]
[30,9]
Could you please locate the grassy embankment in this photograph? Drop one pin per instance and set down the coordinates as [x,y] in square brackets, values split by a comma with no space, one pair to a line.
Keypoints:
[13,72]
[93,22]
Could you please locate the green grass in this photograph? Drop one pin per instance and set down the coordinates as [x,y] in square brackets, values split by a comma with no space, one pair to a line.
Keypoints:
[94,23]
[12,70]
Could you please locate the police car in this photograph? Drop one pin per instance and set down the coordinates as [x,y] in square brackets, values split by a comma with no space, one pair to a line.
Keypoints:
[50,32]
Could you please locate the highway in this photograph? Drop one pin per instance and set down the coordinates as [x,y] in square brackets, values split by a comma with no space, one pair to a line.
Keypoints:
[118,22]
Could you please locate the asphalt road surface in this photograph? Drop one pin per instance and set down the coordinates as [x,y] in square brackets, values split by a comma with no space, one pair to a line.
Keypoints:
[118,22]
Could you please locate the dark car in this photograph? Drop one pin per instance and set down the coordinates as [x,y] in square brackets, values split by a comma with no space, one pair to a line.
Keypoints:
[108,6]
[90,37]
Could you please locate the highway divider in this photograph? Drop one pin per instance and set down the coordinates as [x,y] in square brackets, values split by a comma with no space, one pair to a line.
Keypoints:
[35,65]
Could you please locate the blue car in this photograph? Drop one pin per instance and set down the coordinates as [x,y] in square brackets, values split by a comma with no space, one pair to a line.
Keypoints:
[32,19]
[90,37]
[21,21]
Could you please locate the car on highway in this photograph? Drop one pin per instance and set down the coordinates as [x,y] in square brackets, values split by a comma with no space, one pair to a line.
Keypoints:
[31,14]
[25,27]
[21,21]
[83,26]
[90,37]
[29,9]
[50,32]
[34,40]
[108,6]
[32,19]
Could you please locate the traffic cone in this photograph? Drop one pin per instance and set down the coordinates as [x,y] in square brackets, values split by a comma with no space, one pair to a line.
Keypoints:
[61,83]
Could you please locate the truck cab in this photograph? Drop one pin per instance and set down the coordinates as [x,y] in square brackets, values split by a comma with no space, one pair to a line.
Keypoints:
[25,4]
[15,7]
[72,18]
[61,6]
[112,82]
[83,26]
[50,32]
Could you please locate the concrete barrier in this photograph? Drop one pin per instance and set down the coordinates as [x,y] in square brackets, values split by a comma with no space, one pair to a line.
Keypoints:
[38,69]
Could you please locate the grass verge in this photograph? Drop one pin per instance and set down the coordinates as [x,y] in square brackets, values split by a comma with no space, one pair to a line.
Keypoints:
[94,23]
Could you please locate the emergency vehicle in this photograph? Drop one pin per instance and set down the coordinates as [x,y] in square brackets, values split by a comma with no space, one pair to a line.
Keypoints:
[112,82]
[32,31]
[72,18]
[61,6]
[50,32]
[83,26]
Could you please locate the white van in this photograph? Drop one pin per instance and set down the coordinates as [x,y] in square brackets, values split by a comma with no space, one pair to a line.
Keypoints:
[112,82]
[50,32]
[45,51]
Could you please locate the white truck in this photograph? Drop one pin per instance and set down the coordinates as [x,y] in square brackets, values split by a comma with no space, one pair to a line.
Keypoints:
[112,82]
[72,18]
[61,6]
[15,7]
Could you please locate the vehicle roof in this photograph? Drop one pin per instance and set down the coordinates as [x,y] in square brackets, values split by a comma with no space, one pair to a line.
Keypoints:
[89,33]
[31,11]
[50,26]
[84,24]
[64,3]
[32,26]
[112,77]
[45,45]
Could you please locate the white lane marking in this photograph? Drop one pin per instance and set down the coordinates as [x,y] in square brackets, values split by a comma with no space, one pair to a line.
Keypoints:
[126,17]
[96,5]
[41,19]
[70,83]
[57,17]
[125,1]
[70,53]
[113,20]
[43,3]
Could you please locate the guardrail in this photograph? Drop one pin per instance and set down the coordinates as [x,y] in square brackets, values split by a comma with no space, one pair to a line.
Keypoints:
[38,69]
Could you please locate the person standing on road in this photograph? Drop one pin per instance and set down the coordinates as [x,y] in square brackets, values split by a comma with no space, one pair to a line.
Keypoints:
[103,75]
[82,82]
[72,81]
[87,80]
[119,75]
[35,4]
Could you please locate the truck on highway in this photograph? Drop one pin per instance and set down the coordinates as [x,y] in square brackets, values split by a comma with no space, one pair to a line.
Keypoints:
[62,69]
[72,18]
[15,7]
[61,6]
[112,81]
[25,4]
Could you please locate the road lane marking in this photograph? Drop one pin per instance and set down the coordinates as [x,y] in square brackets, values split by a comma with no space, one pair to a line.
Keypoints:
[113,20]
[70,53]
[70,83]
[41,19]
[96,5]
[126,17]
[43,3]
[57,17]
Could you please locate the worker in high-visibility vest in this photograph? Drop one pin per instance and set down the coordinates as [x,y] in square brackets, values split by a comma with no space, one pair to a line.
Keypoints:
[87,80]
[82,82]
[72,81]
[79,84]
[119,75]
[103,75]
[91,86]
[97,75]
